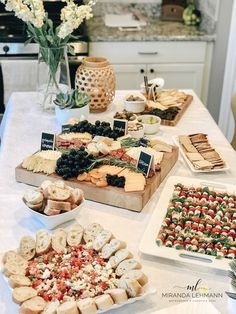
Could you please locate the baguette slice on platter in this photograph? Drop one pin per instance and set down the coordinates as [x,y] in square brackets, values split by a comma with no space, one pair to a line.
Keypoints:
[22,294]
[33,306]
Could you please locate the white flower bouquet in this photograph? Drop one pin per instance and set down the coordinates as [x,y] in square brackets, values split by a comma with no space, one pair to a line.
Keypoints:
[52,40]
[40,28]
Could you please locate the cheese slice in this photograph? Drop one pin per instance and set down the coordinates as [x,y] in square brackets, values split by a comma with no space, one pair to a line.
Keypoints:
[134,152]
[112,170]
[71,136]
[43,161]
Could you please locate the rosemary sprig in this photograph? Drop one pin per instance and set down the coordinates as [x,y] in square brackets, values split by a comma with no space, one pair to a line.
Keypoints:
[114,162]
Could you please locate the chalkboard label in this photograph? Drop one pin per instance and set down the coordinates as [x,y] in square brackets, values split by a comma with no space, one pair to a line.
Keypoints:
[65,128]
[144,162]
[47,141]
[120,126]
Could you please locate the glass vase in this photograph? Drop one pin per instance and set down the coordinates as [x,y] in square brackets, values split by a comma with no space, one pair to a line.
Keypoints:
[53,75]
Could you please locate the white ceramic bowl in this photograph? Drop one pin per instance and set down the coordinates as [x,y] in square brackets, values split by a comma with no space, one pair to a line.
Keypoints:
[136,134]
[51,222]
[135,106]
[150,128]
[63,115]
[158,81]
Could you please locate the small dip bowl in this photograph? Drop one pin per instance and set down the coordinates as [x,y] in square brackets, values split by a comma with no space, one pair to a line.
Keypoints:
[135,102]
[150,122]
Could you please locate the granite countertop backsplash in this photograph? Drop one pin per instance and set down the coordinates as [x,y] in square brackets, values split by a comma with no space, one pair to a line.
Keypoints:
[155,30]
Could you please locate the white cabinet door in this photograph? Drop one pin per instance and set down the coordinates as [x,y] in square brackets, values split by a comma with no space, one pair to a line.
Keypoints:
[129,76]
[179,75]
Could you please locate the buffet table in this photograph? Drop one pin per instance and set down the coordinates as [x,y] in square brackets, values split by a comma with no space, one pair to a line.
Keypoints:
[20,134]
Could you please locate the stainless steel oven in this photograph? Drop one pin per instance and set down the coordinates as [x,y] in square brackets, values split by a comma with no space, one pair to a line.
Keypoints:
[16,57]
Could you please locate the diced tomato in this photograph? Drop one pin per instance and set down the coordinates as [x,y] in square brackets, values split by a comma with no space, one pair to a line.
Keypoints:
[64,274]
[36,283]
[47,297]
[103,285]
[230,251]
[215,230]
[76,262]
[201,228]
[196,219]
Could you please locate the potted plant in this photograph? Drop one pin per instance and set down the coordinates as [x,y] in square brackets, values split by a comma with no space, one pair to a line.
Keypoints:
[72,104]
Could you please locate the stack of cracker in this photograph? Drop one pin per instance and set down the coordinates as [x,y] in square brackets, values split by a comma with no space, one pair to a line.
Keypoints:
[167,99]
[201,154]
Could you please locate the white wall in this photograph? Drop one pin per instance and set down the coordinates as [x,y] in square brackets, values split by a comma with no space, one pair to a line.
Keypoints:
[219,57]
[226,121]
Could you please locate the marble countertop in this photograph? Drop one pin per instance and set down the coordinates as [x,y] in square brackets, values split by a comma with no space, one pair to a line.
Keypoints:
[156,30]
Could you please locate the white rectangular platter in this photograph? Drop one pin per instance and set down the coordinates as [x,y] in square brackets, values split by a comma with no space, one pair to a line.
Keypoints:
[188,162]
[148,243]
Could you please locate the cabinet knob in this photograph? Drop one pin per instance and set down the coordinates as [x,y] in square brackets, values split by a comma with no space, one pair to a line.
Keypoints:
[142,71]
[152,70]
[6,49]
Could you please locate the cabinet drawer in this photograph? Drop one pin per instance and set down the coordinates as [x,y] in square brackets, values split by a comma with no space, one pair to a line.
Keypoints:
[150,52]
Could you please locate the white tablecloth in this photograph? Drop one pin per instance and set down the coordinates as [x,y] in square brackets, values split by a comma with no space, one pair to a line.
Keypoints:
[20,132]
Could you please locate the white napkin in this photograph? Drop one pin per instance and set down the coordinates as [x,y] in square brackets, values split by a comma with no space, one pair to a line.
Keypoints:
[18,75]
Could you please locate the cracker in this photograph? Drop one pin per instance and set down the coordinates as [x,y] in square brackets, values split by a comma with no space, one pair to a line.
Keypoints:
[202,164]
[194,156]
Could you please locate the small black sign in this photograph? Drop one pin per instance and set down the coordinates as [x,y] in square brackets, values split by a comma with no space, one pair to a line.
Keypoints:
[144,162]
[121,126]
[65,128]
[47,141]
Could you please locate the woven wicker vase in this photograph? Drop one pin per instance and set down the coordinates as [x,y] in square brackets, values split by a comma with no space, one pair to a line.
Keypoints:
[96,78]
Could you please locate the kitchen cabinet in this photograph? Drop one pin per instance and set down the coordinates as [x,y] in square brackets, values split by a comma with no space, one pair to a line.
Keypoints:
[182,64]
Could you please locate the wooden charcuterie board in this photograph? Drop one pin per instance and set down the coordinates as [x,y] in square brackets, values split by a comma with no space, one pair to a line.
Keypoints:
[179,114]
[108,195]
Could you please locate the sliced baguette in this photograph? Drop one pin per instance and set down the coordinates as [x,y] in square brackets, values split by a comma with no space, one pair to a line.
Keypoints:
[137,275]
[87,306]
[127,265]
[15,268]
[102,238]
[60,184]
[118,295]
[75,234]
[33,306]
[51,211]
[132,287]
[57,194]
[22,294]
[45,184]
[12,257]
[16,281]
[110,248]
[119,256]
[59,240]
[51,307]
[76,196]
[33,197]
[43,242]
[104,302]
[27,247]
[68,307]
[59,205]
[91,232]
[36,207]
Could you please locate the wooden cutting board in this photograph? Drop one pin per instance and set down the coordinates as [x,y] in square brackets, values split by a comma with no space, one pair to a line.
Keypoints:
[179,114]
[108,195]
